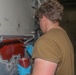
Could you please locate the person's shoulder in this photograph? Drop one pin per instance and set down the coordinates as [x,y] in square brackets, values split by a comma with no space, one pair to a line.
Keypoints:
[40,39]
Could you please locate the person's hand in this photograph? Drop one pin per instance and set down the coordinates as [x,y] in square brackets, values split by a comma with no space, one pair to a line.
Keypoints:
[29,49]
[22,70]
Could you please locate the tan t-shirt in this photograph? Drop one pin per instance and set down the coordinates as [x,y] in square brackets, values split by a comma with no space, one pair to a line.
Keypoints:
[55,46]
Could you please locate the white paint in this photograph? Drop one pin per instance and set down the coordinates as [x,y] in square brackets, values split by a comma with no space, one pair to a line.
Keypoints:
[14,12]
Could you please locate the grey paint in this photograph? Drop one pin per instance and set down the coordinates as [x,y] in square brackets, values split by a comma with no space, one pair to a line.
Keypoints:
[16,17]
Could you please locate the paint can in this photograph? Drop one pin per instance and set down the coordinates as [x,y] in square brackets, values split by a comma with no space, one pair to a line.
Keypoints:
[24,62]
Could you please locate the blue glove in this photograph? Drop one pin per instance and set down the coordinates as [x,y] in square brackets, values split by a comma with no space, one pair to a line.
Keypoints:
[22,70]
[29,48]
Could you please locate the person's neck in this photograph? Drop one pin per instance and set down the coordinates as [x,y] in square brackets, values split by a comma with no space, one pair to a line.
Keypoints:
[51,25]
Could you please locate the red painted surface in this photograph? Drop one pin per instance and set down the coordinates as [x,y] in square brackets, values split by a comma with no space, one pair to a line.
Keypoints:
[11,47]
[25,62]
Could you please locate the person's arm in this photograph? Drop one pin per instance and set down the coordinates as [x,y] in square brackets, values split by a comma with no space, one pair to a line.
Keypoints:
[43,67]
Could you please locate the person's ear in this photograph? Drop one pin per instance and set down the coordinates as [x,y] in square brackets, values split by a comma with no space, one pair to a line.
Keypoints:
[44,18]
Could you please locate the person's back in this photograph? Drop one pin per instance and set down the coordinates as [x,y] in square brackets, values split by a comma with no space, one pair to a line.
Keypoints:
[66,61]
